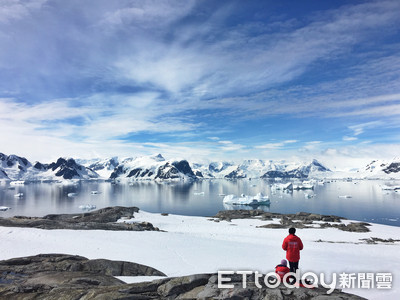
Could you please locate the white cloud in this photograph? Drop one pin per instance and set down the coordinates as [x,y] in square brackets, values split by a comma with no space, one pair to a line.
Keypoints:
[46,127]
[360,128]
[270,146]
[11,10]
[275,146]
[218,62]
[349,138]
[149,14]
[196,66]
[290,141]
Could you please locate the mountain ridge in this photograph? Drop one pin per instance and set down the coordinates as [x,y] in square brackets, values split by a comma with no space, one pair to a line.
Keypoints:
[156,167]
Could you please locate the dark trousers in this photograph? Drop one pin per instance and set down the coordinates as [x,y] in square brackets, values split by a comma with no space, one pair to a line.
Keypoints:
[293,266]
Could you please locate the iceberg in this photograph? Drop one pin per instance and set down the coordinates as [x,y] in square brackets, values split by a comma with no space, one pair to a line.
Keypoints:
[306,185]
[87,207]
[258,199]
[19,195]
[282,186]
[17,182]
[390,188]
[4,208]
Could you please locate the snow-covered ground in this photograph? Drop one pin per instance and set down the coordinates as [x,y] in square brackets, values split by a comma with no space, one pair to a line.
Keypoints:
[198,245]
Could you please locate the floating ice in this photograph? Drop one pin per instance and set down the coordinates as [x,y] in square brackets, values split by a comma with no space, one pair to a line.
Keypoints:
[282,186]
[87,207]
[17,182]
[258,199]
[306,185]
[390,188]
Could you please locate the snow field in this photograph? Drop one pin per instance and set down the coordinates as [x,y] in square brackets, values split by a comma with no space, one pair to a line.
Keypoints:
[197,245]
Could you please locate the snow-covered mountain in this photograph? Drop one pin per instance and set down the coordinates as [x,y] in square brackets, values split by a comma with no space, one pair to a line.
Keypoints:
[153,168]
[314,169]
[257,168]
[65,168]
[14,167]
[104,167]
[218,170]
[381,169]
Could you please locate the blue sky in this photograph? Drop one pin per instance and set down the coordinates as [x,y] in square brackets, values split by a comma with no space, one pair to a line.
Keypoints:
[201,79]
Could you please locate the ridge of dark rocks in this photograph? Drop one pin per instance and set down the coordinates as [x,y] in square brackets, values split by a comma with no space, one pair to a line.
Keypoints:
[297,220]
[103,219]
[62,276]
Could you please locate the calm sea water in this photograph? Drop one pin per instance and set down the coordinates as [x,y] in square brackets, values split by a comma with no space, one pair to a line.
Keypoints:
[368,201]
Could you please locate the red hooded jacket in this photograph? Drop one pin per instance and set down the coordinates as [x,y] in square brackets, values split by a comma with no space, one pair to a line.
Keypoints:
[292,245]
[281,270]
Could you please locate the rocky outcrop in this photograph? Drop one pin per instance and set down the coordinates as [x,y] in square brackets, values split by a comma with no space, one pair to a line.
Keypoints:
[301,172]
[236,174]
[281,174]
[381,169]
[108,164]
[119,170]
[19,168]
[57,276]
[42,263]
[104,219]
[183,167]
[175,170]
[14,160]
[394,167]
[13,166]
[69,169]
[3,175]
[298,220]
[73,277]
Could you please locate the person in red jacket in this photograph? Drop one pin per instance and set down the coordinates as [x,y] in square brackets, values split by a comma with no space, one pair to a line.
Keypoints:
[282,269]
[292,244]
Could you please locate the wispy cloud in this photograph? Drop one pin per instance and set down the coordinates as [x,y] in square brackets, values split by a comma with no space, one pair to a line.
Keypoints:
[239,63]
[360,128]
[349,138]
[11,10]
[82,73]
[275,146]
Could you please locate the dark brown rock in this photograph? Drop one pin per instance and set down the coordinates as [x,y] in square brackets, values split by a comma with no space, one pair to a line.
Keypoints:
[90,285]
[298,220]
[102,219]
[19,269]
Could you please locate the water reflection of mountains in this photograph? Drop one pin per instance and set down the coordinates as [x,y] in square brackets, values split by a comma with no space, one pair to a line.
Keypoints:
[369,202]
